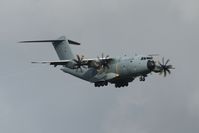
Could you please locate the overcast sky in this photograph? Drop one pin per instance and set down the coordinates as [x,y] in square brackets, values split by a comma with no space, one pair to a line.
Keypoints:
[43,99]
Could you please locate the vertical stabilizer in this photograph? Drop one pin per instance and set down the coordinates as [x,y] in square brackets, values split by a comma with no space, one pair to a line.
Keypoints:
[63,49]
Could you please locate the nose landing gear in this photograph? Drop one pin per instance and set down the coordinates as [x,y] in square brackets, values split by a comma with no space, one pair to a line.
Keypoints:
[142,78]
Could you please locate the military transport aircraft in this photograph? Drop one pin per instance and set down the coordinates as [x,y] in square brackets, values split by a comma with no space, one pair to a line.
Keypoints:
[103,70]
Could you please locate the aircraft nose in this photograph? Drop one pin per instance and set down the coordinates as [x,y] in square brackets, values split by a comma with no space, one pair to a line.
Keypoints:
[151,65]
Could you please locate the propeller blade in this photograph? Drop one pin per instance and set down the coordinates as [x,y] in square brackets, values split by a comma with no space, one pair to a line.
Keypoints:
[165,73]
[153,55]
[75,60]
[78,57]
[107,56]
[98,57]
[163,61]
[102,55]
[167,62]
[160,64]
[170,67]
[84,67]
[81,69]
[168,71]
[160,73]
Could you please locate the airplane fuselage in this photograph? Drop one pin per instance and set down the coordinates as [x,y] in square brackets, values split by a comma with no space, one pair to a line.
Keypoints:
[124,70]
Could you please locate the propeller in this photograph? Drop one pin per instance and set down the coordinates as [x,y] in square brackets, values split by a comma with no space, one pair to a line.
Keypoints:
[164,67]
[103,61]
[79,63]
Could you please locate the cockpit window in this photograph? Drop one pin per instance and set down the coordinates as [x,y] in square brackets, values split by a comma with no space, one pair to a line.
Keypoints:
[146,58]
[149,58]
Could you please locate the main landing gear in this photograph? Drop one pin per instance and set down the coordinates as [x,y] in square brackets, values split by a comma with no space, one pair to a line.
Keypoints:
[101,83]
[121,84]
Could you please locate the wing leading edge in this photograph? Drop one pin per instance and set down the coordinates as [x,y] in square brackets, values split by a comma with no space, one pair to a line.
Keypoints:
[89,62]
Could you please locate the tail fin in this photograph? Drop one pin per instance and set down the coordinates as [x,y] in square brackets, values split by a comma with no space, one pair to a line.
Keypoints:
[61,46]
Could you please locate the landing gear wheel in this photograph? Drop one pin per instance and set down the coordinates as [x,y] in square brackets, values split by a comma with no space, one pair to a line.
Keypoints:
[97,84]
[102,83]
[126,84]
[142,78]
[117,85]
[121,84]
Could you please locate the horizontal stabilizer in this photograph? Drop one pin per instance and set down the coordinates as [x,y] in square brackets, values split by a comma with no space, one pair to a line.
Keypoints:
[53,41]
[41,41]
[73,42]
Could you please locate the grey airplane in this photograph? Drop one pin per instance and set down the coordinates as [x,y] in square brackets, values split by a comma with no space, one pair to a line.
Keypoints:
[104,70]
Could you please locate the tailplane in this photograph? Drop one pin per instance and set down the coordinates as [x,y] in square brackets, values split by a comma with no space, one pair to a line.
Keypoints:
[61,46]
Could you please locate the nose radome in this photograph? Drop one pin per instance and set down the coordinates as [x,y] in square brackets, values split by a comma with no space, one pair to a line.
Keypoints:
[151,65]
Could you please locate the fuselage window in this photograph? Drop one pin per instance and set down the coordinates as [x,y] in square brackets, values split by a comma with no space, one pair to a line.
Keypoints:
[143,58]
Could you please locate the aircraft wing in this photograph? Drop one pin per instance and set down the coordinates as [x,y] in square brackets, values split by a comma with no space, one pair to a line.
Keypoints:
[55,63]
[70,63]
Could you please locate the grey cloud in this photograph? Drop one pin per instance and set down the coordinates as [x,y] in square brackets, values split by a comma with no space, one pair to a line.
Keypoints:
[40,98]
[188,9]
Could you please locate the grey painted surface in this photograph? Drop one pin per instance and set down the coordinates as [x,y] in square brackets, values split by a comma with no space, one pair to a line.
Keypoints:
[36,98]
